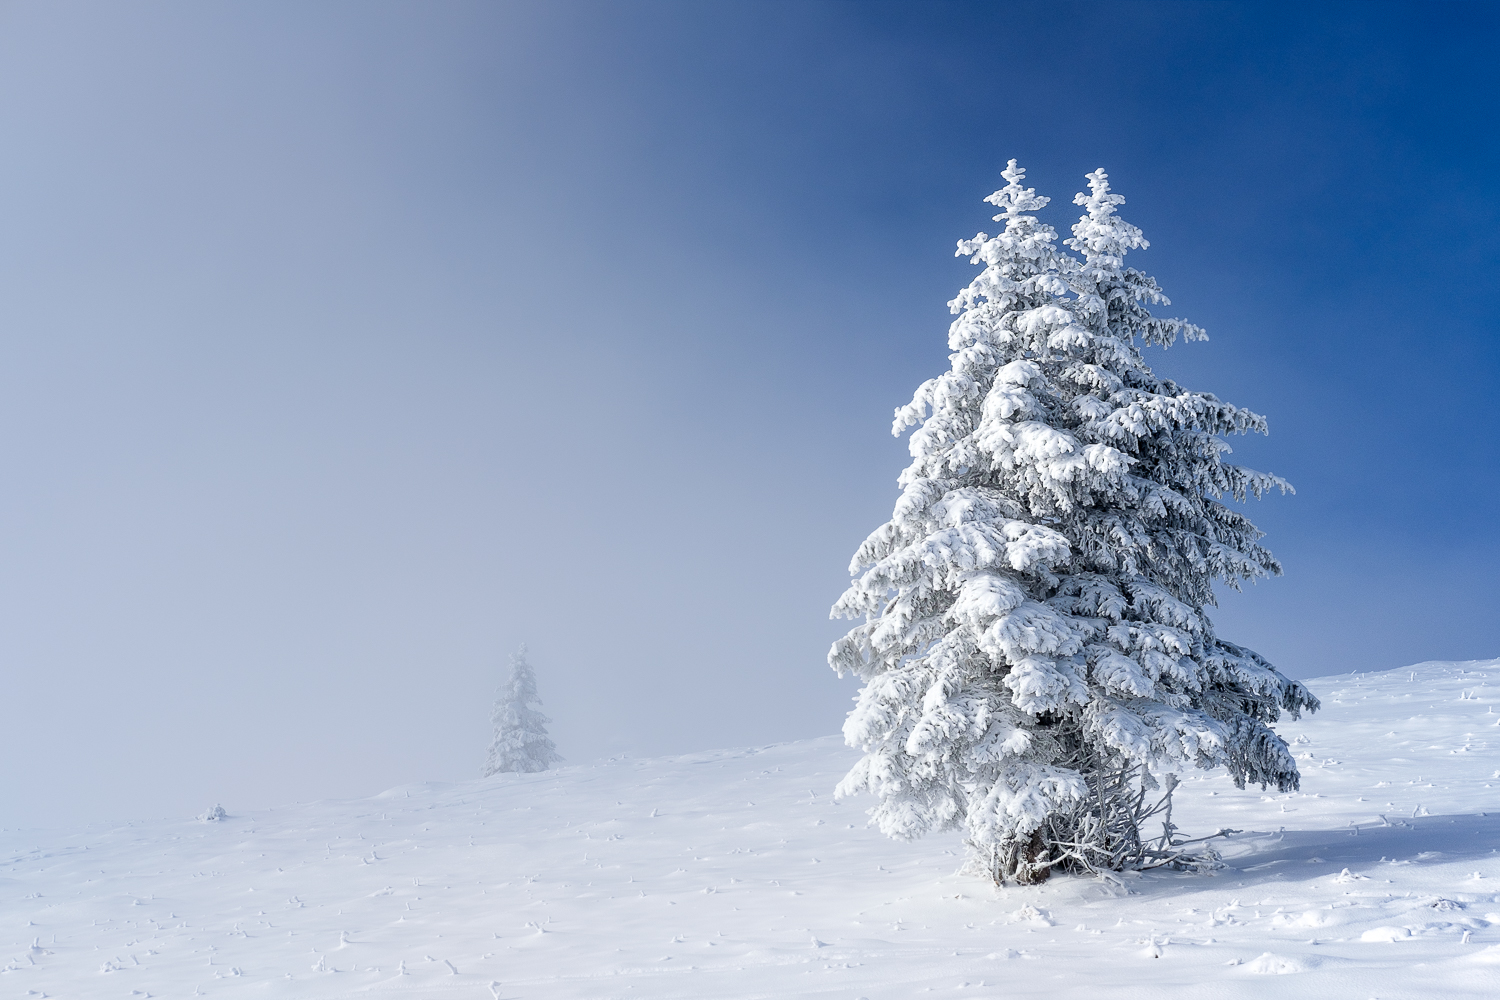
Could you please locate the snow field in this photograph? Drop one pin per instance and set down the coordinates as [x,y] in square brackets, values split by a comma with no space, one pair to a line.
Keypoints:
[734,874]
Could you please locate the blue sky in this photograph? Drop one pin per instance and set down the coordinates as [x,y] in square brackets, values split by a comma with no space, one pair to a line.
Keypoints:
[345,346]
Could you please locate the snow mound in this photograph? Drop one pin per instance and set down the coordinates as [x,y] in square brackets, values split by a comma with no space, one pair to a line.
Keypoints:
[1278,965]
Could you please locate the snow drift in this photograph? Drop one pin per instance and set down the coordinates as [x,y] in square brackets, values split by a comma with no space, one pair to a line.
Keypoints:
[735,874]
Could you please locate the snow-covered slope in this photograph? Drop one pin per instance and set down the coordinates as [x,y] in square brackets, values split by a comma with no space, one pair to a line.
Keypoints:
[734,874]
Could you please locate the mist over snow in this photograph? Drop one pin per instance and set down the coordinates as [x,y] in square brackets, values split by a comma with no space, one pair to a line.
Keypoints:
[734,874]
[344,346]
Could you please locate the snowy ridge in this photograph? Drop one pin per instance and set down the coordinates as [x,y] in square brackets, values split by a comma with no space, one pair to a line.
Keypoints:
[735,874]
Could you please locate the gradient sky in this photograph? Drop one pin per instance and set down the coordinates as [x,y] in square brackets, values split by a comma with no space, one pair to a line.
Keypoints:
[343,347]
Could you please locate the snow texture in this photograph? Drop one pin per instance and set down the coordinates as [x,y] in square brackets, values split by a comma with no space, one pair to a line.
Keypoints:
[520,742]
[1036,655]
[735,875]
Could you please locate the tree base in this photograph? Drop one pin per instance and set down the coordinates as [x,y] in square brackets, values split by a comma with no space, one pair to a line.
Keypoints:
[1018,862]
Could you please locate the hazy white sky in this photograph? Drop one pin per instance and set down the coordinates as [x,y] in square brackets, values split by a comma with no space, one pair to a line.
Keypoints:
[345,346]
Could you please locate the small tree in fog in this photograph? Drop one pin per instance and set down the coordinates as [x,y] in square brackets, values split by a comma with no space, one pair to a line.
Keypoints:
[520,742]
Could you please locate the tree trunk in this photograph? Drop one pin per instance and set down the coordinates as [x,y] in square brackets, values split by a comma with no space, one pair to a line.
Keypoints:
[1023,862]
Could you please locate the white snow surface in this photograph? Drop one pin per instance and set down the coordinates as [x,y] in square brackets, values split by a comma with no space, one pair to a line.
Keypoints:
[735,874]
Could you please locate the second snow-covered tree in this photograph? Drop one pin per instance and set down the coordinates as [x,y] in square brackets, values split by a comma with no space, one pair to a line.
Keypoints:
[520,742]
[1036,654]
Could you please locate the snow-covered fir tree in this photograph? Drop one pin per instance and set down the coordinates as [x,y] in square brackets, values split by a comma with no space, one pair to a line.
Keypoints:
[1037,661]
[520,742]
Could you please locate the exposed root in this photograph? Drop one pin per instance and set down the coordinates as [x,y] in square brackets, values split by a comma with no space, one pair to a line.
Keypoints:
[1103,834]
